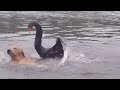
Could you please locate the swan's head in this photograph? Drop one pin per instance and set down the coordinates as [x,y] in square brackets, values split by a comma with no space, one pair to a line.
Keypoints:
[31,24]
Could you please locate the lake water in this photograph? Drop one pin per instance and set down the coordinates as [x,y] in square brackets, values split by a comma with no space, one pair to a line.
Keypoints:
[93,38]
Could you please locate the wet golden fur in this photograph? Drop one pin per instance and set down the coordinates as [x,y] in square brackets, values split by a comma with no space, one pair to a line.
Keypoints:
[18,56]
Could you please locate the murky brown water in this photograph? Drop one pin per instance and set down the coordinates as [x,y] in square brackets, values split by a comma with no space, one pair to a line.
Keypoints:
[94,34]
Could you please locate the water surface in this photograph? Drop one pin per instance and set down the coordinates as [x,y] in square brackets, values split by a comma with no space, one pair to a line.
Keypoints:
[95,34]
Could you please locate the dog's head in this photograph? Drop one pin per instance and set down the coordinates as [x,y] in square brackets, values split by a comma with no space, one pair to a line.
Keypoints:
[15,52]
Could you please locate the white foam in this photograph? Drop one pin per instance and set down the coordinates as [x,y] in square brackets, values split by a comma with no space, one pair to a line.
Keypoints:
[35,55]
[66,55]
[3,58]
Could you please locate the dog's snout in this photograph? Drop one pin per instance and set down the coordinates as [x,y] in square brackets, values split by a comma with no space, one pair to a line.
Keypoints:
[8,51]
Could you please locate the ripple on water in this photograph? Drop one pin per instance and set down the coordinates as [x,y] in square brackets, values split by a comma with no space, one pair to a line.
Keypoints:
[8,35]
[99,29]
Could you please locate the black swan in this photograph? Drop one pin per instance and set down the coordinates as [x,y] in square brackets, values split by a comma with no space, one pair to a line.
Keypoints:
[56,51]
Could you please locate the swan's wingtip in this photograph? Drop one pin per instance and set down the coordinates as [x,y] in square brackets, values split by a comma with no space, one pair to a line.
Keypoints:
[62,40]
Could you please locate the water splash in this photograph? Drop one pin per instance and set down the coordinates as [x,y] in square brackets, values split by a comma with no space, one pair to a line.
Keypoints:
[35,55]
[3,58]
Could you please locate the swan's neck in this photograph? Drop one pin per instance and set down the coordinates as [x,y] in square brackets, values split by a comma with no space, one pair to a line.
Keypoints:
[38,37]
[38,40]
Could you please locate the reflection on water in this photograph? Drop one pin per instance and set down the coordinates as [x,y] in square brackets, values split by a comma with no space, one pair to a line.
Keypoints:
[85,31]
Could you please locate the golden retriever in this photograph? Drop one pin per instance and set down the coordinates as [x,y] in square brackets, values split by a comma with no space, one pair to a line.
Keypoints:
[18,56]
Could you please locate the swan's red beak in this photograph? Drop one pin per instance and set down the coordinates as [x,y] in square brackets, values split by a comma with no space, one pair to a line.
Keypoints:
[29,29]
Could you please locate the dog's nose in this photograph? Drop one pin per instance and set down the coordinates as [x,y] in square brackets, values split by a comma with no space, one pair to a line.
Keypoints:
[8,51]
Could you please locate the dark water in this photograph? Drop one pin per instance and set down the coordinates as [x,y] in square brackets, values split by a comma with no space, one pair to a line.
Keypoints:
[95,34]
